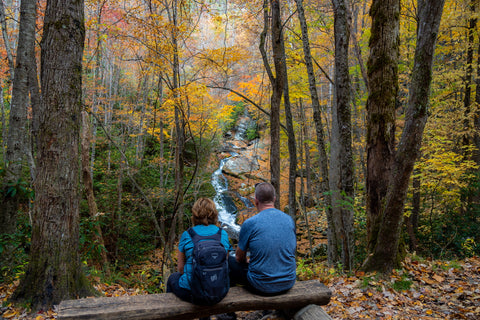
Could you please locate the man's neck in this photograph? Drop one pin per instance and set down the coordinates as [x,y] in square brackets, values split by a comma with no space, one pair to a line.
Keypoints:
[265,206]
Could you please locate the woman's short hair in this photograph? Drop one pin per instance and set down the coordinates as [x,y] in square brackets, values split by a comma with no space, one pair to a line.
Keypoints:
[204,212]
[264,192]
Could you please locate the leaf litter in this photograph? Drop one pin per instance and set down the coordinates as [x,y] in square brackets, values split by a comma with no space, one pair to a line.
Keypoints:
[422,289]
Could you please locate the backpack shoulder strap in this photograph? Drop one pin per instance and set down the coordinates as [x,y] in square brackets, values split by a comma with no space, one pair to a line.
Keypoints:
[193,235]
[196,237]
[219,234]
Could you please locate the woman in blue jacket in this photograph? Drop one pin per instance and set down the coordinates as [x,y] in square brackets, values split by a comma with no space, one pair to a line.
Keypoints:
[205,219]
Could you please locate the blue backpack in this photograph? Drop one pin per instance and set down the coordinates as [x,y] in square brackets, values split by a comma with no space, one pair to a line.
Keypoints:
[210,280]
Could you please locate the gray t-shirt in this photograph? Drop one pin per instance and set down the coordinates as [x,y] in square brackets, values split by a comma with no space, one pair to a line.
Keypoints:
[270,238]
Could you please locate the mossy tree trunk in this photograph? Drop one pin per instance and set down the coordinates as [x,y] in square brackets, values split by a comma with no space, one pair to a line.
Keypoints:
[387,194]
[54,271]
[383,87]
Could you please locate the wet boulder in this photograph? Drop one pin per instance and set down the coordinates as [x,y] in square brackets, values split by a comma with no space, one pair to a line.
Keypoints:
[240,165]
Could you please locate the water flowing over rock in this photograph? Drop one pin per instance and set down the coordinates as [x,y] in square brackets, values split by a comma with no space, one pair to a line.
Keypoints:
[240,165]
[241,161]
[243,124]
[224,202]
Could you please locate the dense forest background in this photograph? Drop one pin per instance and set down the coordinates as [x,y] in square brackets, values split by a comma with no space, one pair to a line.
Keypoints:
[164,81]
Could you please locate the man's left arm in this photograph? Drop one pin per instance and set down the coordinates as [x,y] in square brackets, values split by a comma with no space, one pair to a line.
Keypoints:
[240,255]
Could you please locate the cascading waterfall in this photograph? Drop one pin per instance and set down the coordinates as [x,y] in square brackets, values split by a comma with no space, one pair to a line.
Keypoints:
[223,201]
[227,210]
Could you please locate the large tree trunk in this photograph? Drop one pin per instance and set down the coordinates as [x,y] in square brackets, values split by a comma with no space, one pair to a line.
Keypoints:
[342,90]
[333,257]
[17,143]
[383,256]
[54,271]
[382,99]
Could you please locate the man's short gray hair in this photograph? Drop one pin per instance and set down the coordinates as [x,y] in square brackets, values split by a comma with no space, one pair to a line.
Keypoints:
[264,192]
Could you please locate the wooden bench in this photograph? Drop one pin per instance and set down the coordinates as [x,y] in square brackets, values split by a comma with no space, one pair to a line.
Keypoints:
[168,307]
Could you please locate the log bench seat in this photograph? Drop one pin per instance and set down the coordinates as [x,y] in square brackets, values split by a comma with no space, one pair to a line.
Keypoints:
[167,306]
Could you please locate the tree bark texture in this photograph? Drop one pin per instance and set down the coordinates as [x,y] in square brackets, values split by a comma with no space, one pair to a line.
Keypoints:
[343,109]
[54,271]
[383,83]
[384,256]
[17,140]
[317,117]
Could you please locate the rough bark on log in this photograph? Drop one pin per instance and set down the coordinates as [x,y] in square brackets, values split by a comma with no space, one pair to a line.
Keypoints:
[312,312]
[168,307]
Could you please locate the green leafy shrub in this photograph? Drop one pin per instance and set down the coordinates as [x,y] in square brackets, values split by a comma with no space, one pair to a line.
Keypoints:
[14,249]
[252,133]
[402,284]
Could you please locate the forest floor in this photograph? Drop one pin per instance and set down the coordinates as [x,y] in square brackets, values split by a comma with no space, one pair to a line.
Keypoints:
[421,289]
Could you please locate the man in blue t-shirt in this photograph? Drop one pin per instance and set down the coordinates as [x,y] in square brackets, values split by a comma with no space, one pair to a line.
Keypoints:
[270,239]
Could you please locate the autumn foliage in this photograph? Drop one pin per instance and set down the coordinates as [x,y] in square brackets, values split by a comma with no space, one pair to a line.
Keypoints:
[162,73]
